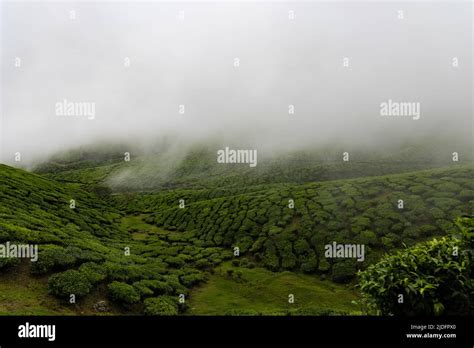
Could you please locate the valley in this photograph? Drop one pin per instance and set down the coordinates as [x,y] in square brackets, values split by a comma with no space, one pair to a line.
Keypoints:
[204,240]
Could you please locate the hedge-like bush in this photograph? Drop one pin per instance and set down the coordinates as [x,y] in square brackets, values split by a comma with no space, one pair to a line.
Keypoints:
[163,305]
[68,283]
[50,258]
[6,262]
[343,271]
[94,272]
[123,292]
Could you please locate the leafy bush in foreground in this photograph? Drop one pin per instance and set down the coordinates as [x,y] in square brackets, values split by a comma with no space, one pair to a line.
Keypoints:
[434,277]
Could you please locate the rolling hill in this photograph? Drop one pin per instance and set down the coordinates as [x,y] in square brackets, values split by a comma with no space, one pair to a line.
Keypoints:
[154,237]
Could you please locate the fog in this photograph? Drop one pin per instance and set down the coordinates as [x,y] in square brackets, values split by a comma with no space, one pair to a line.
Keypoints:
[238,68]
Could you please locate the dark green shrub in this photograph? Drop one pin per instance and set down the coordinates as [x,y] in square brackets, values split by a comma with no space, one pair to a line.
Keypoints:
[301,246]
[143,289]
[81,255]
[163,305]
[367,237]
[156,287]
[69,282]
[192,279]
[52,258]
[309,263]
[123,292]
[343,271]
[203,264]
[175,261]
[94,272]
[6,262]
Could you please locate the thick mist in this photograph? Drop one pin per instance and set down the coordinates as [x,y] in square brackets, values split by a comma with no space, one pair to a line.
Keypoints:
[276,76]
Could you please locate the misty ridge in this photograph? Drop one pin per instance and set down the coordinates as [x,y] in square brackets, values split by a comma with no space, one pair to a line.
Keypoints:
[165,81]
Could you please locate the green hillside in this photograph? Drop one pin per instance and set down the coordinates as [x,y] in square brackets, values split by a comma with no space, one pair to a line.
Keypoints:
[172,249]
[260,222]
[82,252]
[195,167]
[91,242]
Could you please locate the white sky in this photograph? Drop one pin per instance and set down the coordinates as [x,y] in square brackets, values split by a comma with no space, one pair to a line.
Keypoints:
[190,62]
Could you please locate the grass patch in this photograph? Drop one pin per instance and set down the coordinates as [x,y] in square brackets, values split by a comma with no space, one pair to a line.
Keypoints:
[263,292]
[21,294]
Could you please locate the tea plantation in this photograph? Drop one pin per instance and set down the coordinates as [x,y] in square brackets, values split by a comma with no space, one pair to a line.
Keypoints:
[200,239]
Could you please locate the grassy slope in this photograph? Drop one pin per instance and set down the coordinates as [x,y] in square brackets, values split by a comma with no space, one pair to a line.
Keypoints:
[259,291]
[36,210]
[22,294]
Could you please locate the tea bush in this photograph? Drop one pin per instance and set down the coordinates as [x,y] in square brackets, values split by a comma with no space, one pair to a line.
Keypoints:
[430,278]
[70,282]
